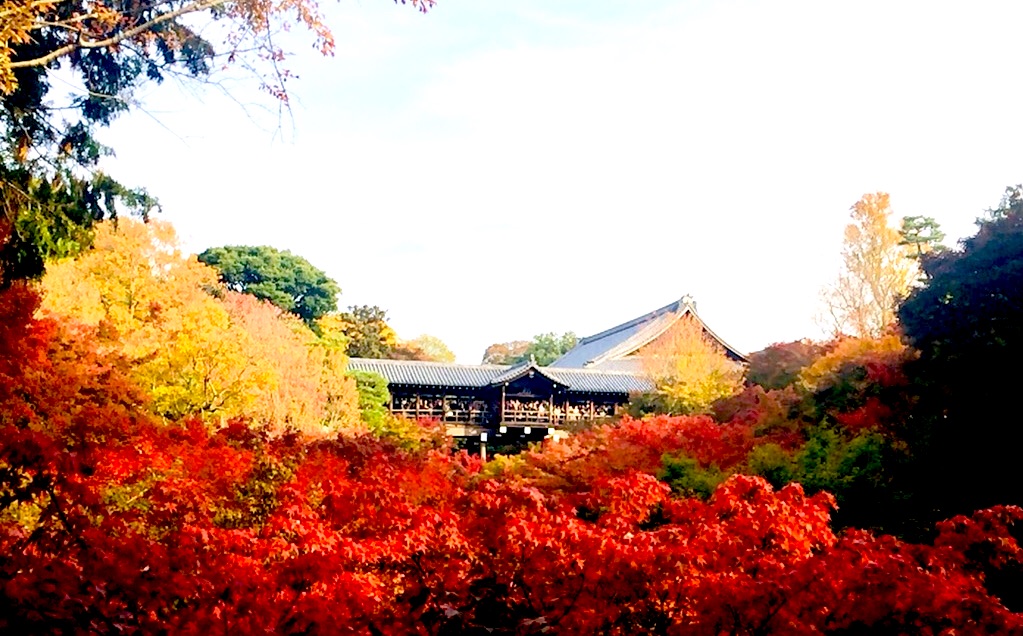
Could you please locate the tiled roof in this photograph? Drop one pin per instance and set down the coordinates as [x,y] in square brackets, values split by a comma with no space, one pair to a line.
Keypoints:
[438,374]
[608,348]
[443,375]
[590,381]
[630,364]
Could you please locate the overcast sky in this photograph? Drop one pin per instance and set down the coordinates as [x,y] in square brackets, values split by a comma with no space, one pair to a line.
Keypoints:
[493,170]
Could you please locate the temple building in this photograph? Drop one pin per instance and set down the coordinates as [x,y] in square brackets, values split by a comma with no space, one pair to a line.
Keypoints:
[620,348]
[590,383]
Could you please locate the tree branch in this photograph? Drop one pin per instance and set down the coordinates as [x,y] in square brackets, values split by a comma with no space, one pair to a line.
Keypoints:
[117,38]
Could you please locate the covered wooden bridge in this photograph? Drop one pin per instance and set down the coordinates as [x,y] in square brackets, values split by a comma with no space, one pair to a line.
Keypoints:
[471,399]
[589,383]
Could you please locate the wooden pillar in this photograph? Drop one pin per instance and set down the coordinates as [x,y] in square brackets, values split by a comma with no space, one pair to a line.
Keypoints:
[550,409]
[502,402]
[592,414]
[417,405]
[444,409]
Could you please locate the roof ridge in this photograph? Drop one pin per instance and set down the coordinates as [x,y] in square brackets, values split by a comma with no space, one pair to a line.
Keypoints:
[433,363]
[670,307]
[589,371]
[677,314]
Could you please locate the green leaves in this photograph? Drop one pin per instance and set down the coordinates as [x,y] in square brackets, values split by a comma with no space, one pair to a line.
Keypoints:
[923,235]
[46,217]
[282,278]
[545,348]
[369,335]
[687,478]
[548,347]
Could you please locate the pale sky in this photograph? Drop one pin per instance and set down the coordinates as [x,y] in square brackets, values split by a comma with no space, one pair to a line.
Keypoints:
[493,170]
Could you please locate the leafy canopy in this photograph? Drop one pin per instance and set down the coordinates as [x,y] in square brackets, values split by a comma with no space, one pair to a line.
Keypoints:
[111,521]
[506,352]
[548,347]
[967,323]
[778,365]
[195,353]
[279,277]
[369,335]
[146,301]
[545,348]
[425,347]
[923,235]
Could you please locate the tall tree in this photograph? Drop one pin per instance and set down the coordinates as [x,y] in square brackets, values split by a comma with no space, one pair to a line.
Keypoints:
[282,278]
[876,273]
[967,323]
[302,386]
[923,235]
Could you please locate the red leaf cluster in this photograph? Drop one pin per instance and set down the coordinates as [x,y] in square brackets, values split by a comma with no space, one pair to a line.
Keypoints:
[113,522]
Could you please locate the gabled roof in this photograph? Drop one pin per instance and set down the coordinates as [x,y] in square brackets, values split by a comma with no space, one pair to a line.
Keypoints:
[609,349]
[523,368]
[464,376]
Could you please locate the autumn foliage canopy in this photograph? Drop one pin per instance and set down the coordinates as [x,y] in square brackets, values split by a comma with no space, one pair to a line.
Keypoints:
[115,520]
[178,457]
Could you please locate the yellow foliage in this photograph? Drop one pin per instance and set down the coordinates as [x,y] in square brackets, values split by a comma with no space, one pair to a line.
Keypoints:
[342,409]
[194,361]
[196,353]
[304,388]
[851,352]
[18,18]
[877,272]
[331,328]
[689,370]
[148,303]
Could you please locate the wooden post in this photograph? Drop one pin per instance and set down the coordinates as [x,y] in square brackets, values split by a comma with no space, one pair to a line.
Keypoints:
[417,405]
[550,409]
[592,414]
[444,409]
[502,403]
